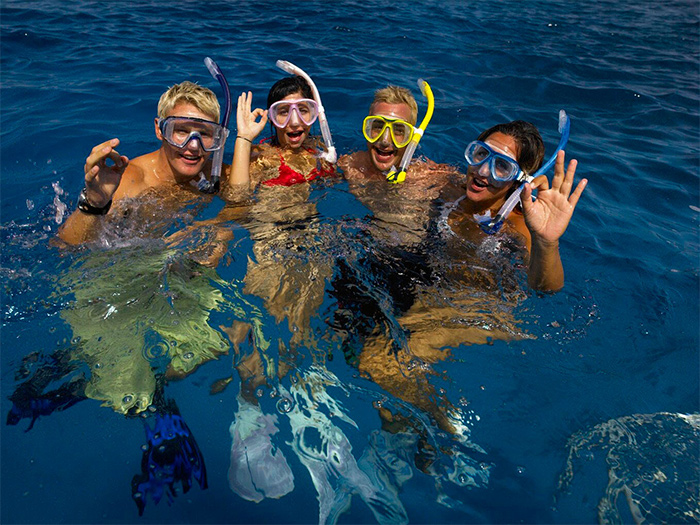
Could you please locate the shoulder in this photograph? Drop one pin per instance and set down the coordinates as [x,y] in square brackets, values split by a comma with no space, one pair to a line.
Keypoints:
[354,165]
[134,180]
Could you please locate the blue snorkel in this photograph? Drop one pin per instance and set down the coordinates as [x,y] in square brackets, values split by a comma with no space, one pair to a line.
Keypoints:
[212,186]
[493,225]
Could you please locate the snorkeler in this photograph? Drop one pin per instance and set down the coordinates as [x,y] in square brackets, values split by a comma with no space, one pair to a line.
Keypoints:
[504,161]
[187,163]
[291,155]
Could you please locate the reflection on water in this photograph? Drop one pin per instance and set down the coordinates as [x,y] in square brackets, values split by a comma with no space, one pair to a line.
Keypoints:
[652,463]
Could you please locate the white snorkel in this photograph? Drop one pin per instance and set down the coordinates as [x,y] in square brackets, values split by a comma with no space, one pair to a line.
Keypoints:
[330,154]
[492,226]
[397,177]
[212,186]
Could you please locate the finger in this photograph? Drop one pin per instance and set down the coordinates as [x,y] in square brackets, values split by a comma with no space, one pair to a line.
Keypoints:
[558,171]
[526,198]
[249,101]
[573,200]
[91,174]
[540,183]
[569,179]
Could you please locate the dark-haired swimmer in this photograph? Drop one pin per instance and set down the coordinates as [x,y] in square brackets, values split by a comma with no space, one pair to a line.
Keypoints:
[500,160]
[185,165]
[291,156]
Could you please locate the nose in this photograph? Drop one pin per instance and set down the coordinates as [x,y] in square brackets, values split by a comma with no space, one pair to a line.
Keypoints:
[194,143]
[484,169]
[386,136]
[294,118]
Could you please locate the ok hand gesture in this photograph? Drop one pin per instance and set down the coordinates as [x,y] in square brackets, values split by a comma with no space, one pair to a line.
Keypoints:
[548,216]
[101,180]
[246,120]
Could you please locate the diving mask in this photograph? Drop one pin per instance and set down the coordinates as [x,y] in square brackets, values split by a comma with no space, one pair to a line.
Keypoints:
[374,127]
[180,131]
[280,112]
[502,168]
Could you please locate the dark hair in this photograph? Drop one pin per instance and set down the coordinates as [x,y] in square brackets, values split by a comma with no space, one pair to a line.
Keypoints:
[528,139]
[283,88]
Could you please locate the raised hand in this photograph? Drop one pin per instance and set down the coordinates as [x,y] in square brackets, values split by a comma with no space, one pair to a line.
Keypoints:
[548,216]
[101,180]
[247,122]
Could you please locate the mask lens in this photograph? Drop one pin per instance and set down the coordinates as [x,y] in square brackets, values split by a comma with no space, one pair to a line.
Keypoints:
[373,128]
[401,133]
[476,153]
[504,169]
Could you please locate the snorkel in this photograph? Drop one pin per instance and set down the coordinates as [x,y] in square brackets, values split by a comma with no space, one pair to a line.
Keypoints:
[212,186]
[330,155]
[397,177]
[491,226]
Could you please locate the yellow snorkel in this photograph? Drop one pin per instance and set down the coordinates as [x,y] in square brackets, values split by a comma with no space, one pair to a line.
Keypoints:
[397,177]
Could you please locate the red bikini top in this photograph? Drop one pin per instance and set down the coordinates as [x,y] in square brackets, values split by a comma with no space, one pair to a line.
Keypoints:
[289,176]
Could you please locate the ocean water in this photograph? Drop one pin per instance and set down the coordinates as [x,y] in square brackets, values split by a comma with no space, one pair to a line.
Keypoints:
[595,391]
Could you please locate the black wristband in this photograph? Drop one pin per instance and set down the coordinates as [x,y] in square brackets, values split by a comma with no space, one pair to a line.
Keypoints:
[85,206]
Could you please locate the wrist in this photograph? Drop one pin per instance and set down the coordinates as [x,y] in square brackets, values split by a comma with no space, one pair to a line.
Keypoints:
[246,139]
[85,206]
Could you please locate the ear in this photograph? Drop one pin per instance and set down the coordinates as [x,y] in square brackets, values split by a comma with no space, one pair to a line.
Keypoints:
[159,135]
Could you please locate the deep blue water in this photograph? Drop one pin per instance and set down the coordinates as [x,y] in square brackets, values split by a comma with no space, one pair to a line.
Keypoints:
[620,340]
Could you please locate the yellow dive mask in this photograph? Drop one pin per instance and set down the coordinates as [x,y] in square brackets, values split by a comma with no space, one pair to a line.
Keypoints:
[375,126]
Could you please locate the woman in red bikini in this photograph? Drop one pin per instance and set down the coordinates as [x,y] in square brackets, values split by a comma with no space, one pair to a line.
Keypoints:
[290,157]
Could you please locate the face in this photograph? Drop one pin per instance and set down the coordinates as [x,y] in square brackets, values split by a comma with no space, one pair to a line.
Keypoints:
[383,153]
[480,187]
[295,132]
[189,160]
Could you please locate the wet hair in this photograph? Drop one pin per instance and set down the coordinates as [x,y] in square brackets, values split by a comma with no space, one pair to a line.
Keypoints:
[200,97]
[283,88]
[396,95]
[528,139]
[288,86]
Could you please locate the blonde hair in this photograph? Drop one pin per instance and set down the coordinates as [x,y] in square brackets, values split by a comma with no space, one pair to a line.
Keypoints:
[396,95]
[200,97]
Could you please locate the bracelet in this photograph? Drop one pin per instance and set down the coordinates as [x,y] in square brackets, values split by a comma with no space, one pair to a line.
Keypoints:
[85,206]
[239,137]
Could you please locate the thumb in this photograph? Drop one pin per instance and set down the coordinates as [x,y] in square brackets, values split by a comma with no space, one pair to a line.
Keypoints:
[526,198]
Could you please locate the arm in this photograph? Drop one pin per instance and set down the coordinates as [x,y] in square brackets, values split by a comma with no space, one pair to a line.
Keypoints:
[248,128]
[546,219]
[101,183]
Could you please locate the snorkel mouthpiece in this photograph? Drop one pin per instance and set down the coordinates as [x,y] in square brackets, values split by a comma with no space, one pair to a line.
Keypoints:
[212,186]
[398,177]
[491,226]
[330,154]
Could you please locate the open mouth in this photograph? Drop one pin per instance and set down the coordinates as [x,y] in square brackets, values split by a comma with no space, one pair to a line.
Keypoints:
[384,155]
[189,158]
[480,183]
[294,135]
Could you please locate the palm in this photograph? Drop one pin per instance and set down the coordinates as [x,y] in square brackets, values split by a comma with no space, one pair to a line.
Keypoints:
[548,216]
